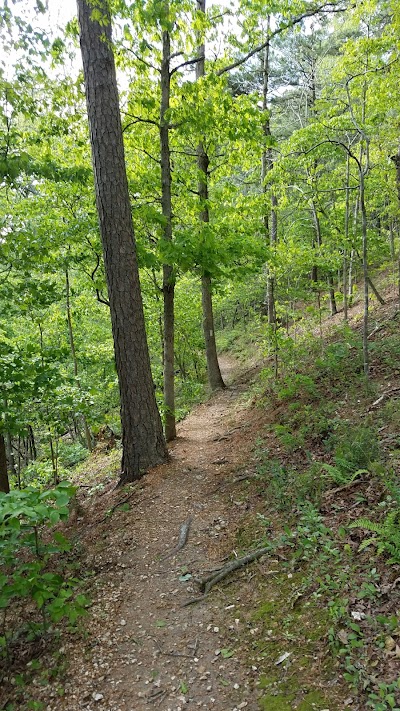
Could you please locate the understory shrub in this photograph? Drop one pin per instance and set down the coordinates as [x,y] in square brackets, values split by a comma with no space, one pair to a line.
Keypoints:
[29,577]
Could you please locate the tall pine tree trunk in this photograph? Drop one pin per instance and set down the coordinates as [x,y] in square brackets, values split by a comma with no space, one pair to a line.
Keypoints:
[213,370]
[142,436]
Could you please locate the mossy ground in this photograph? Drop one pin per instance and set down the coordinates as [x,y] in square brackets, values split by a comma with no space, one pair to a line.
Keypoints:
[295,626]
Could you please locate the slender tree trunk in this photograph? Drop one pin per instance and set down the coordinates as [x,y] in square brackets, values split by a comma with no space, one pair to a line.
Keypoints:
[168,271]
[142,436]
[26,451]
[19,463]
[10,454]
[351,278]
[213,370]
[332,297]
[316,241]
[9,446]
[88,435]
[267,163]
[270,220]
[365,271]
[32,444]
[4,481]
[346,239]
[398,280]
[51,442]
[396,161]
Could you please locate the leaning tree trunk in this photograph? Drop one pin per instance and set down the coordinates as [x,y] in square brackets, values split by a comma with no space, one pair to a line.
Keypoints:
[168,270]
[213,370]
[4,482]
[142,436]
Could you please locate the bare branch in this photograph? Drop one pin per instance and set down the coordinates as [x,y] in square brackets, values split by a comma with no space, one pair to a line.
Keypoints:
[326,7]
[139,119]
[184,64]
[143,61]
[101,298]
[143,150]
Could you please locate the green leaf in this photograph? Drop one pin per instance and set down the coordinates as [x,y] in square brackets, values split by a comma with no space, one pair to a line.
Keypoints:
[227,653]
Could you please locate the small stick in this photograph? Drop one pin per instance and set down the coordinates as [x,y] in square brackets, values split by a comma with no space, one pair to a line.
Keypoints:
[114,508]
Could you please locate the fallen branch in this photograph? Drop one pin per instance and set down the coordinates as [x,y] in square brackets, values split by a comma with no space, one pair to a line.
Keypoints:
[382,325]
[376,292]
[376,330]
[383,397]
[345,487]
[205,584]
[183,537]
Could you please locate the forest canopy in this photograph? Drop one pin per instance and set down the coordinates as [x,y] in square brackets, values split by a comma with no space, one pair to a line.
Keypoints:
[263,169]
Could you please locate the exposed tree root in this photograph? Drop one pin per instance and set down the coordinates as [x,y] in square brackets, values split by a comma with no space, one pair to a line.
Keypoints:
[205,584]
[183,537]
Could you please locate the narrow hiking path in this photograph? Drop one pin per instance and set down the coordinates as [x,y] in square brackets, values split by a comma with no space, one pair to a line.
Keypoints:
[144,648]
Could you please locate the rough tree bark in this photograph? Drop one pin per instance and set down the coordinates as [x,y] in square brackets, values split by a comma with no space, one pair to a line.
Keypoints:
[142,436]
[168,271]
[213,370]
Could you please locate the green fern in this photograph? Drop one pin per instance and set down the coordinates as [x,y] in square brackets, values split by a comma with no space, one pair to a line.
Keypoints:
[342,476]
[387,538]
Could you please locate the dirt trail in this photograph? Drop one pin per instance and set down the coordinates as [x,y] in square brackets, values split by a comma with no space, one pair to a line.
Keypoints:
[145,649]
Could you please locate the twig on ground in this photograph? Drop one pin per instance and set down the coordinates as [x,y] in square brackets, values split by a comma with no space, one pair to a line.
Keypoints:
[194,600]
[114,508]
[157,695]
